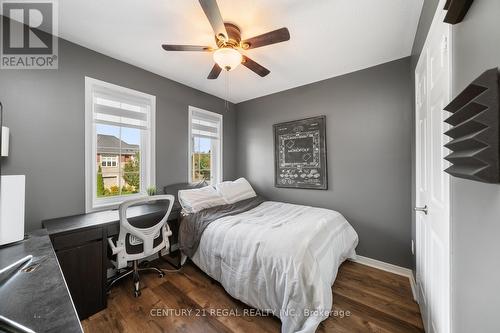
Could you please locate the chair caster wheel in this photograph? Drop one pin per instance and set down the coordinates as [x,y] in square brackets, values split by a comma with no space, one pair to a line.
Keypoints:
[137,293]
[162,275]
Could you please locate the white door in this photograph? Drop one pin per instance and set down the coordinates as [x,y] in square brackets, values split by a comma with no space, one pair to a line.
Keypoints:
[433,87]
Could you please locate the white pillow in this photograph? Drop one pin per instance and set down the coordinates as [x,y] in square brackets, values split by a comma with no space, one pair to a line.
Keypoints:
[235,191]
[195,200]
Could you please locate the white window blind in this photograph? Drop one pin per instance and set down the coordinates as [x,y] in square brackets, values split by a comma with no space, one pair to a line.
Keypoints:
[119,109]
[205,125]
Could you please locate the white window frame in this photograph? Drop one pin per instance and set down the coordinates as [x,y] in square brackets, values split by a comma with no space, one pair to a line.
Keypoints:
[220,167]
[148,149]
[109,159]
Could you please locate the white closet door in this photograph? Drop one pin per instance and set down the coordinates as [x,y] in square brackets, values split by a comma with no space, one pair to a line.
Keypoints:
[433,85]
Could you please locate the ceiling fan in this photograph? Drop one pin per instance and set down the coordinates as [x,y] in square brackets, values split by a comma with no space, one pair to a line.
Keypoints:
[228,54]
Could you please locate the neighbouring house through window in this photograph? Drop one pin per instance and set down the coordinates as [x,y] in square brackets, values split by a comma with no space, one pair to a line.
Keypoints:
[205,146]
[120,153]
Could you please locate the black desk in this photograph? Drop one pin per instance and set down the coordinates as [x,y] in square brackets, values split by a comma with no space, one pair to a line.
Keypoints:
[38,299]
[81,246]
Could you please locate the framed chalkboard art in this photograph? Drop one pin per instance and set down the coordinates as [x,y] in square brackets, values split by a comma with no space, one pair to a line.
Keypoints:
[300,154]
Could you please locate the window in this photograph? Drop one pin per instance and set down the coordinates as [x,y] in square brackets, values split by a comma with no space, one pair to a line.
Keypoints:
[119,144]
[109,161]
[205,146]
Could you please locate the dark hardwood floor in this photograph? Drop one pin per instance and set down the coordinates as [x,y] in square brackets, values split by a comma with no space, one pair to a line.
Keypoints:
[377,301]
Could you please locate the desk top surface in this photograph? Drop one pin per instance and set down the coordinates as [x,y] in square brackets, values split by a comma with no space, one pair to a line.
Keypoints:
[82,221]
[38,299]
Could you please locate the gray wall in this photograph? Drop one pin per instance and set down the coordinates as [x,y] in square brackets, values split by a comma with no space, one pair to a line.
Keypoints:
[369,162]
[475,206]
[45,112]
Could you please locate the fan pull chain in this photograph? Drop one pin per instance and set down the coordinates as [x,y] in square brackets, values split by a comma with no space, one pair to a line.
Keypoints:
[227,90]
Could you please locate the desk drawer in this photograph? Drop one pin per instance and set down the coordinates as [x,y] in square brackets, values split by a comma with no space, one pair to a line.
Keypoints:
[83,271]
[76,238]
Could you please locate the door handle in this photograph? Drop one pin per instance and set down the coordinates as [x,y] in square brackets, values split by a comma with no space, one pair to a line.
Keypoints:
[424,209]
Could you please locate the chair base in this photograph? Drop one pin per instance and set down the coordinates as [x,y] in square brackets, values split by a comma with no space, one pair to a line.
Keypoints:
[134,271]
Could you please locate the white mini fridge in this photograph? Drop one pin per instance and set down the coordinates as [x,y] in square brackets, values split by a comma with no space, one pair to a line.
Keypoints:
[12,197]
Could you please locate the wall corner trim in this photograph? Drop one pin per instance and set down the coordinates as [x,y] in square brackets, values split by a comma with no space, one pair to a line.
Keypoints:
[406,272]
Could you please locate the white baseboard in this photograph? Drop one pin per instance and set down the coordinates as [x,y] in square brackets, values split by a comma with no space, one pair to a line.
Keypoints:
[389,268]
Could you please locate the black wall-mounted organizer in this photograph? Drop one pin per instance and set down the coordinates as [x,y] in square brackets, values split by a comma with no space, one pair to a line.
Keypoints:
[475,143]
[457,9]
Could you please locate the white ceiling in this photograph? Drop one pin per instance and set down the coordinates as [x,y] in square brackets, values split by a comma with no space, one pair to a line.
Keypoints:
[328,38]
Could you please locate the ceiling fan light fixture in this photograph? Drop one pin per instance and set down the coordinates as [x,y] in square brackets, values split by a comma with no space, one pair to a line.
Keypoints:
[227,58]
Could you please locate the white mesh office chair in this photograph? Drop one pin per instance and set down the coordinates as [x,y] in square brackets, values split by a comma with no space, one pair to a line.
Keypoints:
[140,237]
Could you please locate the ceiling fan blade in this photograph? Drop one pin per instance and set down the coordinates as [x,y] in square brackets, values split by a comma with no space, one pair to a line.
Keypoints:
[169,47]
[214,73]
[273,37]
[255,67]
[214,17]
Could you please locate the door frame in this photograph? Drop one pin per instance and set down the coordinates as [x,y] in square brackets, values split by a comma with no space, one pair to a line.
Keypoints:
[437,19]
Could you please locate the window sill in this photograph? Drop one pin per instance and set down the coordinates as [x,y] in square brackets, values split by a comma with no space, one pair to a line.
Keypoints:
[110,204]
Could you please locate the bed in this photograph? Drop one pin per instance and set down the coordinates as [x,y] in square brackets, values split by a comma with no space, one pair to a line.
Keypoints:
[276,257]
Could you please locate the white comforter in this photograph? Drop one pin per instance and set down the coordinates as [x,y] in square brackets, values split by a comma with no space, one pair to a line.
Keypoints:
[281,258]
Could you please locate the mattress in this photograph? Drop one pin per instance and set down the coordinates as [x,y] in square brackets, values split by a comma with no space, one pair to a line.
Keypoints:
[279,258]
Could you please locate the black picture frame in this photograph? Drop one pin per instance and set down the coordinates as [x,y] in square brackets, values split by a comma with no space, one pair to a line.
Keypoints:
[300,154]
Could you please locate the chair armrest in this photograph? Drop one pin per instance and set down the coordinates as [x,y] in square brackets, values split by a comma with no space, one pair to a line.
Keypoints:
[114,249]
[168,232]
